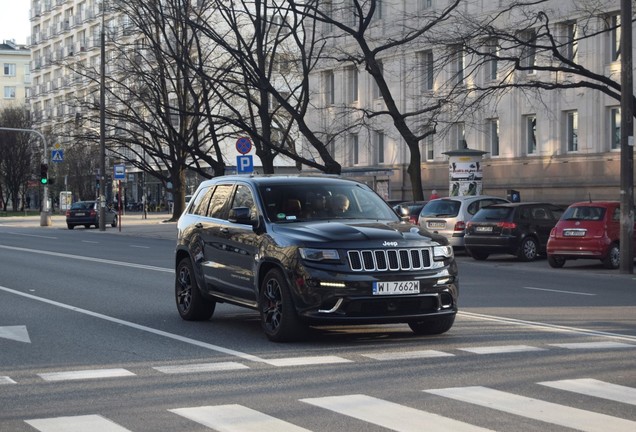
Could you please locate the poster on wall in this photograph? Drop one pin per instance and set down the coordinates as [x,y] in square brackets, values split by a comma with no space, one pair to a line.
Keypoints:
[465,175]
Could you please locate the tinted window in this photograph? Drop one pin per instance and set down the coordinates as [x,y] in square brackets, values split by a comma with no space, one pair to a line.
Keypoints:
[584,213]
[202,201]
[441,208]
[219,198]
[493,214]
[243,198]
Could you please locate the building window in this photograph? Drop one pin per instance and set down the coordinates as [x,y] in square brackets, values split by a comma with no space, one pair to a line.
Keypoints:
[9,92]
[493,136]
[426,69]
[352,83]
[376,89]
[528,50]
[491,62]
[530,125]
[328,83]
[379,145]
[426,149]
[458,137]
[9,69]
[614,24]
[328,11]
[571,45]
[425,4]
[379,10]
[457,66]
[572,130]
[354,155]
[615,128]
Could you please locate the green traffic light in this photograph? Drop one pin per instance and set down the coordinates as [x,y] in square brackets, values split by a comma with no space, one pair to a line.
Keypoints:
[44,180]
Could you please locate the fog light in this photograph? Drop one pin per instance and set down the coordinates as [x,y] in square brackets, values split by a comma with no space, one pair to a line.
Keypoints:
[332,284]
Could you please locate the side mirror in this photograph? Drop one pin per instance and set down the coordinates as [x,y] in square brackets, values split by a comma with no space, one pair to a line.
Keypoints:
[241,215]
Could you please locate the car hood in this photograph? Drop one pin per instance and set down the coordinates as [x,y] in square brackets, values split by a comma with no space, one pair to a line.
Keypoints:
[355,231]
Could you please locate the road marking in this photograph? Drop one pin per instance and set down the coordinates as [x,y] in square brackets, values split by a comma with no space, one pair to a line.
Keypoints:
[407,355]
[85,374]
[140,247]
[140,327]
[31,235]
[92,423]
[17,333]
[83,258]
[593,345]
[546,326]
[201,367]
[390,415]
[537,409]
[596,388]
[559,291]
[502,349]
[90,241]
[236,418]
[303,361]
[6,380]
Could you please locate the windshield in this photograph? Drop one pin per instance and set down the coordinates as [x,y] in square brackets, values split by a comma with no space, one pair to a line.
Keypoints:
[584,213]
[441,208]
[82,205]
[304,202]
[493,214]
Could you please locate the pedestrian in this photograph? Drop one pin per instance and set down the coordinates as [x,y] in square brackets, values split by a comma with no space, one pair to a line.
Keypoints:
[434,195]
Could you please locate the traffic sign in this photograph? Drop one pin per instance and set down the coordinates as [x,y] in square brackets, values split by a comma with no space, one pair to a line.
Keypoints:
[244,164]
[57,155]
[120,172]
[243,145]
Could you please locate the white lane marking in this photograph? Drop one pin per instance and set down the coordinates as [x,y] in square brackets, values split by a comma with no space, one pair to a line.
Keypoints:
[17,333]
[596,388]
[593,345]
[559,291]
[140,327]
[303,361]
[83,258]
[92,423]
[201,367]
[546,327]
[85,374]
[31,235]
[139,247]
[6,380]
[537,409]
[90,241]
[390,415]
[400,355]
[236,418]
[502,349]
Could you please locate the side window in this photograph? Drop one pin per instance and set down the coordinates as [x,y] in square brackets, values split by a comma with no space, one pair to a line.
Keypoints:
[474,207]
[557,212]
[243,198]
[617,214]
[202,201]
[217,204]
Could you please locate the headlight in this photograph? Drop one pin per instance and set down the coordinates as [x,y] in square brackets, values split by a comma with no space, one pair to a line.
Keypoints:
[442,252]
[319,254]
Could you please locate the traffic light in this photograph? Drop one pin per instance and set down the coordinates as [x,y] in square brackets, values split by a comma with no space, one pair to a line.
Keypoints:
[44,173]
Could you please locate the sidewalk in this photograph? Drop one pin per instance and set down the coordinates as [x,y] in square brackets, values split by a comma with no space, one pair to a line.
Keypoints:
[132,224]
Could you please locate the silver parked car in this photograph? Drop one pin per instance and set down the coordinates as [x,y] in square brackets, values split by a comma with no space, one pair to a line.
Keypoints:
[448,216]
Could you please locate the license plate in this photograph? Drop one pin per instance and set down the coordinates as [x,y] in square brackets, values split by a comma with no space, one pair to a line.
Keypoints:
[79,214]
[396,287]
[437,224]
[483,229]
[574,233]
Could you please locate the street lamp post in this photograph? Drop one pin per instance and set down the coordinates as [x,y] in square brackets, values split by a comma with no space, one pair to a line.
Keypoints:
[102,126]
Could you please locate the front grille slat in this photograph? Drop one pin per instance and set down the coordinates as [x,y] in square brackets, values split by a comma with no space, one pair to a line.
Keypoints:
[389,260]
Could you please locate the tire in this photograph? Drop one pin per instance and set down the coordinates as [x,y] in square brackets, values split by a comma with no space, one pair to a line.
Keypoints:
[278,315]
[87,226]
[477,255]
[70,226]
[114,222]
[613,258]
[191,304]
[556,261]
[433,326]
[528,249]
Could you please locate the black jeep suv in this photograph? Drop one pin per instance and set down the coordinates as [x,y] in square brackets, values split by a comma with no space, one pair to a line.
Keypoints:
[310,250]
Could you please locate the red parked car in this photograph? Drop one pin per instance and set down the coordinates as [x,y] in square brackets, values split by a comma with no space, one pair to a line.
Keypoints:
[587,230]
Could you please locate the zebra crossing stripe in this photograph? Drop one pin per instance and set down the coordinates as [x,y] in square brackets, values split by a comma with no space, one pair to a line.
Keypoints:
[501,349]
[596,388]
[594,345]
[6,380]
[407,355]
[201,367]
[85,374]
[236,418]
[306,361]
[537,409]
[92,423]
[391,415]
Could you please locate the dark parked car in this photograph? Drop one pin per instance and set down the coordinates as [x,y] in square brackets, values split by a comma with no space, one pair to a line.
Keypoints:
[520,229]
[411,209]
[587,230]
[310,250]
[87,213]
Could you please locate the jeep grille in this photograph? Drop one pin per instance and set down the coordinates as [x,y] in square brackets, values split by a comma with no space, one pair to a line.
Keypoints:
[389,260]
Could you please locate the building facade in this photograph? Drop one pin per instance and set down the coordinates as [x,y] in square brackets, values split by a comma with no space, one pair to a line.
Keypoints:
[15,77]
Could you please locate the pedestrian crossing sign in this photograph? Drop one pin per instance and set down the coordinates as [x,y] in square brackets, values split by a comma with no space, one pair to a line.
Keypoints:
[57,155]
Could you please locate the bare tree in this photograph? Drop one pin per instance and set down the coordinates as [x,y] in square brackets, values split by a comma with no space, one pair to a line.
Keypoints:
[18,158]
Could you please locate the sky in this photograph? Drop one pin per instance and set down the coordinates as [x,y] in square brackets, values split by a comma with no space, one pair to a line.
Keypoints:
[14,20]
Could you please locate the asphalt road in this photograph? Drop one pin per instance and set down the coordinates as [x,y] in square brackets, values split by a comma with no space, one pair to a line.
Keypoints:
[90,340]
